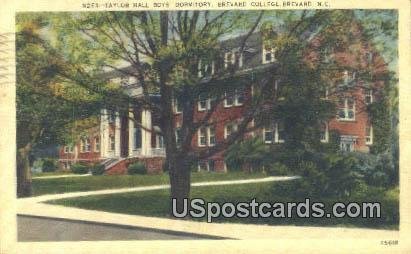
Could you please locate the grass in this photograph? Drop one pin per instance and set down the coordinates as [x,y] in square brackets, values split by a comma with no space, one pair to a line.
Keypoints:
[89,183]
[156,203]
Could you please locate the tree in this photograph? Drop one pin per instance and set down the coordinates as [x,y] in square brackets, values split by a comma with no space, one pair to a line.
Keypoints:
[166,50]
[42,114]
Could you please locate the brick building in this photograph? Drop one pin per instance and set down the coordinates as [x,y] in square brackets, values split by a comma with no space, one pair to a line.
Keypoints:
[118,141]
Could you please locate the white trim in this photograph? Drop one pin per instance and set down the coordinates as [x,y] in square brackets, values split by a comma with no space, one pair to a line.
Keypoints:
[270,51]
[202,133]
[326,134]
[369,139]
[97,149]
[347,110]
[209,136]
[234,126]
[368,93]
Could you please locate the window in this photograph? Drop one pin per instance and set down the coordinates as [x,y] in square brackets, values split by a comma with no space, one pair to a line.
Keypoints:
[230,129]
[177,106]
[85,145]
[346,109]
[233,58]
[277,90]
[324,135]
[202,136]
[228,59]
[268,55]
[229,99]
[159,141]
[347,143]
[205,69]
[239,97]
[368,135]
[211,136]
[112,143]
[274,134]
[88,145]
[349,77]
[206,136]
[68,149]
[178,136]
[368,96]
[203,165]
[206,165]
[97,144]
[204,103]
[137,137]
[112,117]
[268,135]
[235,97]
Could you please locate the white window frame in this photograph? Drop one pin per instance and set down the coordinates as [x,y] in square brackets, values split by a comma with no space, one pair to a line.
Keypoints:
[112,143]
[88,145]
[234,129]
[326,134]
[368,93]
[207,106]
[348,140]
[369,139]
[202,134]
[97,149]
[347,110]
[209,143]
[66,149]
[237,95]
[206,66]
[159,141]
[205,163]
[226,105]
[270,51]
[175,106]
[231,62]
[276,135]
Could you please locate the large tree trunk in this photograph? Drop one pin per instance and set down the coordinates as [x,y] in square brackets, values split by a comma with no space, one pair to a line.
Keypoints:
[179,171]
[24,188]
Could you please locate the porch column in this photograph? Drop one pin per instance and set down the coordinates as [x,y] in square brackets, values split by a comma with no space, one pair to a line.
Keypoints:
[145,134]
[117,135]
[130,133]
[104,133]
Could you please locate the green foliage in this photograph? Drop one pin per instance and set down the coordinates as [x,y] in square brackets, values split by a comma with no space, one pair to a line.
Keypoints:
[79,168]
[49,165]
[381,122]
[329,175]
[136,168]
[97,169]
[250,153]
[277,169]
[378,170]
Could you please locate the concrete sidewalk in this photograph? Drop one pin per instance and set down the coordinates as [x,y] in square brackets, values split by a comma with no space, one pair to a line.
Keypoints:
[60,176]
[34,207]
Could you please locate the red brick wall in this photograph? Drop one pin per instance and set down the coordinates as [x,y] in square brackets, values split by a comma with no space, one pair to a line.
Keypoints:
[154,165]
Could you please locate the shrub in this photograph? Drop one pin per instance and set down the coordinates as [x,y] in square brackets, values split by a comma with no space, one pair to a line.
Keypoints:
[136,168]
[247,154]
[49,165]
[79,168]
[277,169]
[97,169]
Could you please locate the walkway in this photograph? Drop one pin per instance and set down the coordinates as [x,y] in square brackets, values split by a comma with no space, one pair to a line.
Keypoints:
[35,207]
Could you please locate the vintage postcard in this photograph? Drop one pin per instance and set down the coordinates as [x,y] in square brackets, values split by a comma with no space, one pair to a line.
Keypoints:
[204,126]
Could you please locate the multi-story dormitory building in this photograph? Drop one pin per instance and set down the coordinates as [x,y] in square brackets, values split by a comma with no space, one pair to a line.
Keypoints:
[118,142]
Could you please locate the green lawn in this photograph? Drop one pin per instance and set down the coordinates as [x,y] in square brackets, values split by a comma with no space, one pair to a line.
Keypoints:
[156,203]
[88,183]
